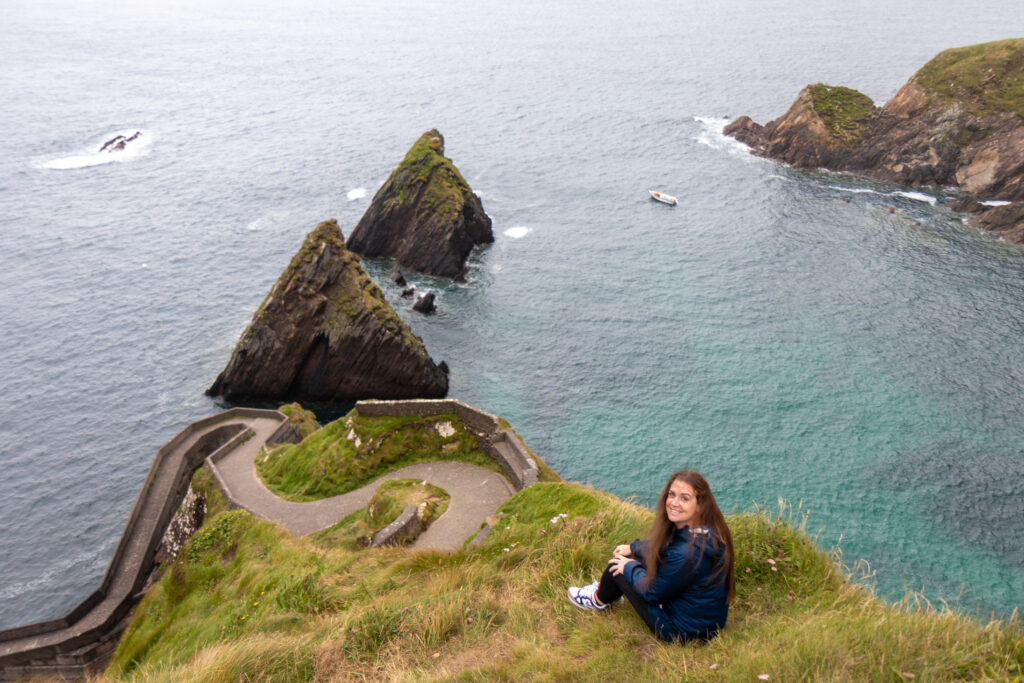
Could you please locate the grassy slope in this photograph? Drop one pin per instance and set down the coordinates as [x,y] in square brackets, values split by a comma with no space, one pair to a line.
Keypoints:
[842,110]
[247,602]
[327,462]
[987,78]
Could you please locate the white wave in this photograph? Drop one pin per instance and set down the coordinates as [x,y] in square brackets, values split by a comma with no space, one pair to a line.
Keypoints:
[517,232]
[917,196]
[852,190]
[92,156]
[712,136]
[996,202]
[272,219]
[357,193]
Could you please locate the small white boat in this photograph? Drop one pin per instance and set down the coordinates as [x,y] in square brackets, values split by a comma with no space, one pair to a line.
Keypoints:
[662,197]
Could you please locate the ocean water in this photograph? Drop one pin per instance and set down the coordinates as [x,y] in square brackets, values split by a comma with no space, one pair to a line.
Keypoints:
[848,347]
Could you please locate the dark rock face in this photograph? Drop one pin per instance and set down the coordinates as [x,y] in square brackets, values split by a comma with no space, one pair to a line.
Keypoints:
[396,276]
[945,127]
[326,333]
[119,142]
[425,304]
[424,216]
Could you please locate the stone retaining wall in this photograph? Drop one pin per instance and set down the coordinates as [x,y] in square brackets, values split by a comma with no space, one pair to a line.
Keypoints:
[500,444]
[64,648]
[69,647]
[408,525]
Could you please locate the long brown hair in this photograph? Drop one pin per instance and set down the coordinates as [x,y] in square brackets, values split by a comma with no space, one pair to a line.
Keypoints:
[709,515]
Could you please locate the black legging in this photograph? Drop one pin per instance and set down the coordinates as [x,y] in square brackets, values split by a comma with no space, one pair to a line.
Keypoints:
[611,588]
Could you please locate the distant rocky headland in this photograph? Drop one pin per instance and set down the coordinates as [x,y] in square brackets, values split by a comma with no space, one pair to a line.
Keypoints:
[326,333]
[425,216]
[958,122]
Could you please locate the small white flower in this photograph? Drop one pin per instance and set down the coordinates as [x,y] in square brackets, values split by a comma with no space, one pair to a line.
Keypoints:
[504,550]
[763,677]
[771,561]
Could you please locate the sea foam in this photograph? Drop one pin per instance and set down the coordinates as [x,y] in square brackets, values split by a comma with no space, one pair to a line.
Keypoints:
[517,232]
[917,196]
[357,193]
[711,135]
[84,158]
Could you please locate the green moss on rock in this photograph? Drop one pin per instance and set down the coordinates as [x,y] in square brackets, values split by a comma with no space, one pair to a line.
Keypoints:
[842,110]
[986,79]
[304,420]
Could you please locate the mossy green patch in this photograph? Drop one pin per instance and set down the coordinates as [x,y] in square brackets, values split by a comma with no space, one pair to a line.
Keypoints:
[441,189]
[388,502]
[986,79]
[842,110]
[355,450]
[304,420]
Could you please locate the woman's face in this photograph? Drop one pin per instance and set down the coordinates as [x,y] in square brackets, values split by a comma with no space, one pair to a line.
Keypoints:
[681,505]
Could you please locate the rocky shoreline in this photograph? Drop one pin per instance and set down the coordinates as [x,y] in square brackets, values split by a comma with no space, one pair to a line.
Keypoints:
[958,122]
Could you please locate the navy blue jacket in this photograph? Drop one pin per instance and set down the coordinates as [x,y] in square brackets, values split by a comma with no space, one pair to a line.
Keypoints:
[683,600]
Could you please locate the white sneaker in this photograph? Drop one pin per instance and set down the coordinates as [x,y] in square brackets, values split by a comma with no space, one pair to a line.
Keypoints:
[584,597]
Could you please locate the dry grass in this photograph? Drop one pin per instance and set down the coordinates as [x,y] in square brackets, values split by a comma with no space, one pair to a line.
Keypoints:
[498,612]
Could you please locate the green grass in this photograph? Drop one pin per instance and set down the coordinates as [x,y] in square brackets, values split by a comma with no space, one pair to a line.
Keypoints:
[987,78]
[255,604]
[329,461]
[303,419]
[388,501]
[842,110]
[424,170]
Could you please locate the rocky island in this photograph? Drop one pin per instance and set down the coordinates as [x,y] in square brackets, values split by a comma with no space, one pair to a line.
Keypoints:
[424,216]
[958,122]
[326,333]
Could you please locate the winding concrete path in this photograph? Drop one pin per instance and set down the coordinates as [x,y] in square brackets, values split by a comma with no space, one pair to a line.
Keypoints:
[476,492]
[72,646]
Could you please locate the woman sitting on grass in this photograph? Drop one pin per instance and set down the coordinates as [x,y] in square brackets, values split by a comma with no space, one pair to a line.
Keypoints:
[680,581]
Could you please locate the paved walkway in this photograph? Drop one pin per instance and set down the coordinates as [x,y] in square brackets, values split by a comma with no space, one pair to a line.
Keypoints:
[67,647]
[476,492]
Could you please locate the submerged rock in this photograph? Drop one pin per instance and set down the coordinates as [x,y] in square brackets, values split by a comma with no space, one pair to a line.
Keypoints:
[424,216]
[119,142]
[326,333]
[425,304]
[959,121]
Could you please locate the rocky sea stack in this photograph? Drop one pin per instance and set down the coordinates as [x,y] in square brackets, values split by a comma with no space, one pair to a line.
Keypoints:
[424,216]
[959,121]
[326,333]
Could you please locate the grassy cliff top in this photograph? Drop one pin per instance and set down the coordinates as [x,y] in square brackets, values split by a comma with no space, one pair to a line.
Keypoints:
[245,601]
[354,450]
[987,78]
[842,110]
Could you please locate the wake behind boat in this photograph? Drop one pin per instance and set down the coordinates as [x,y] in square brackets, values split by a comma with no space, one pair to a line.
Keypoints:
[662,197]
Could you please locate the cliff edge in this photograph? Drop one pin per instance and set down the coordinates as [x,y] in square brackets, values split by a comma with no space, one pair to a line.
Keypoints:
[326,333]
[959,121]
[424,216]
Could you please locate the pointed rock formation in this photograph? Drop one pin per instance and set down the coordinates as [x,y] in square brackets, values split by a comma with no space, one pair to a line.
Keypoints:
[959,121]
[326,333]
[424,216]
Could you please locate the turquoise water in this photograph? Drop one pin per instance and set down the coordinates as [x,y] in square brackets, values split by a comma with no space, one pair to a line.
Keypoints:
[848,347]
